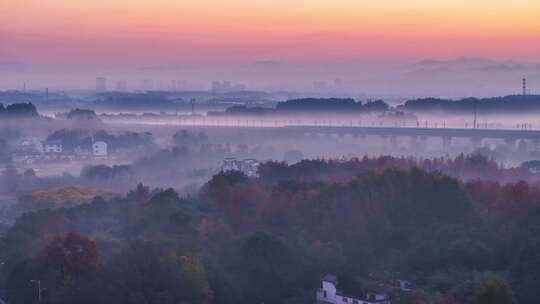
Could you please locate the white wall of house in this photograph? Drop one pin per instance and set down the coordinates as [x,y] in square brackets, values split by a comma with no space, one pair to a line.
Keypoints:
[329,294]
[53,148]
[39,146]
[99,148]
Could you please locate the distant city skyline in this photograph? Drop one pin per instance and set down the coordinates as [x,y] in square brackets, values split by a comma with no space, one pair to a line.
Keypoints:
[451,48]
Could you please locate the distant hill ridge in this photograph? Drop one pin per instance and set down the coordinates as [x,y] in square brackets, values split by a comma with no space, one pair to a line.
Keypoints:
[511,103]
[17,110]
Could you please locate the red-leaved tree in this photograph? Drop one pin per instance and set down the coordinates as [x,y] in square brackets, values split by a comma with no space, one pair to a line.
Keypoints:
[73,253]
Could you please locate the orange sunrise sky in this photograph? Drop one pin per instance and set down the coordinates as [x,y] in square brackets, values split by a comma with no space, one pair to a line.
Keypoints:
[236,31]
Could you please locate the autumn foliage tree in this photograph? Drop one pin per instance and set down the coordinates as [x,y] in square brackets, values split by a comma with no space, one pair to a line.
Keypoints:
[232,194]
[72,253]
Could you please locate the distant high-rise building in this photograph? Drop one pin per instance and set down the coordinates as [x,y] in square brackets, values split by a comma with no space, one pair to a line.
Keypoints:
[179,85]
[238,87]
[121,86]
[216,86]
[101,84]
[226,86]
[147,85]
[319,85]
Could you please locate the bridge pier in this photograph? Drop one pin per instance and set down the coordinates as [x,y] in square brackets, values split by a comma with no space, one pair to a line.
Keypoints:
[510,142]
[363,137]
[447,142]
[393,142]
[535,143]
[476,142]
[360,137]
[384,140]
[413,141]
[522,146]
[418,143]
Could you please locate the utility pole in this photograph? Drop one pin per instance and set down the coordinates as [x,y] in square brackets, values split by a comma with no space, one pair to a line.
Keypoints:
[24,92]
[524,86]
[475,110]
[38,282]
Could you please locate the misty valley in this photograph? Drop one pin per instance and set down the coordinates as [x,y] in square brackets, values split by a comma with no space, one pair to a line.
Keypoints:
[269,152]
[155,198]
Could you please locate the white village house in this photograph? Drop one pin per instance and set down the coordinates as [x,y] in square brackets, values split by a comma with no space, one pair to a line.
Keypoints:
[53,146]
[99,149]
[32,150]
[329,294]
[31,145]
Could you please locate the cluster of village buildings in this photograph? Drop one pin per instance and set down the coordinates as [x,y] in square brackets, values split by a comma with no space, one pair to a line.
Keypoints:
[248,166]
[329,293]
[32,150]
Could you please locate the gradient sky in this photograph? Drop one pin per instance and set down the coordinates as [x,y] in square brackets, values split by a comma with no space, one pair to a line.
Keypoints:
[243,31]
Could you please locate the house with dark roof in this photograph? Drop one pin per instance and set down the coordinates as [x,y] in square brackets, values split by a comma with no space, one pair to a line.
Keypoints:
[330,294]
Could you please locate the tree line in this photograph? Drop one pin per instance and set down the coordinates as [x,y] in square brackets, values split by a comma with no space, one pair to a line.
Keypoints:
[271,238]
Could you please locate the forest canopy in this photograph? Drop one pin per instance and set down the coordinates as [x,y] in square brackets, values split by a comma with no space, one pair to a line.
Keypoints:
[464,241]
